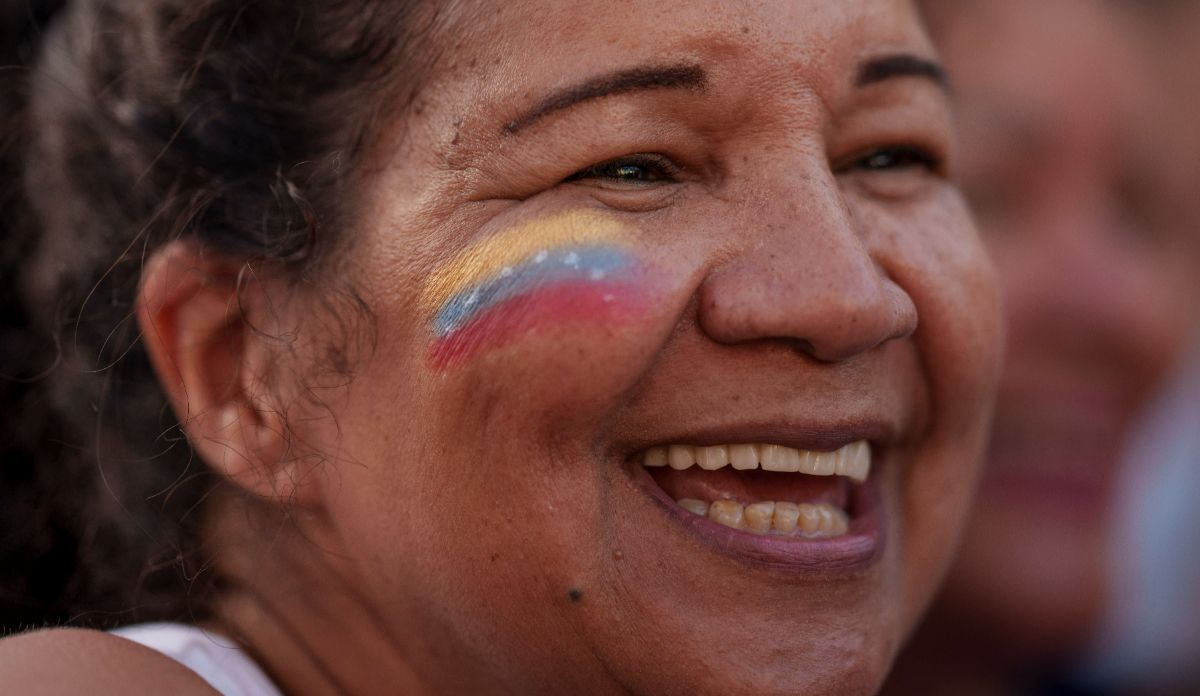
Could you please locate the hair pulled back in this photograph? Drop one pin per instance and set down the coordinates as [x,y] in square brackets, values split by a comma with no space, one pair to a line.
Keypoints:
[128,124]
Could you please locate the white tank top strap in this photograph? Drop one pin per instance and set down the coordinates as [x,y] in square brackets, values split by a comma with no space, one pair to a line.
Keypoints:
[217,659]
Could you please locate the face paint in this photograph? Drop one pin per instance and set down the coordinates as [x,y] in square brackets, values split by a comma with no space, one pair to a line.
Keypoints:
[567,268]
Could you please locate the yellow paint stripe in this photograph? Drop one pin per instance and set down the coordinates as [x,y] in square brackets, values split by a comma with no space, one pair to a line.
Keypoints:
[488,257]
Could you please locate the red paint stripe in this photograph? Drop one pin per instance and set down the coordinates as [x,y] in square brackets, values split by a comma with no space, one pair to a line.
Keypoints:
[551,305]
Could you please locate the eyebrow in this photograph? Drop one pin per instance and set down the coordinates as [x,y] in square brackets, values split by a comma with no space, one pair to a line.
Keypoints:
[693,77]
[901,65]
[689,77]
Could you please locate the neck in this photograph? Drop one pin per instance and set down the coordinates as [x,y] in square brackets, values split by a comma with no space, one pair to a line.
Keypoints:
[288,599]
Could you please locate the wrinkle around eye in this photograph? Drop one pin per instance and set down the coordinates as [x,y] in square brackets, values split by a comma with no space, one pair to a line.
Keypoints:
[894,185]
[635,199]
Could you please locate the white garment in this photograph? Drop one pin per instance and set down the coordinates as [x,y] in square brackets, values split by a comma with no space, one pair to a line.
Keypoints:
[1149,637]
[217,659]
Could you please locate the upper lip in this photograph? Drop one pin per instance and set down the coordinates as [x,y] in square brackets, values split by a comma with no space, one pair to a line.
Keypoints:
[825,437]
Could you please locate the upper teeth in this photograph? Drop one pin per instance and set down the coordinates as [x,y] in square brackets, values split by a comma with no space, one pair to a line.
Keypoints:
[853,460]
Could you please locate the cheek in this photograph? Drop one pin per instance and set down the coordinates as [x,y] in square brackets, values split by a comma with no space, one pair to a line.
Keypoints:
[547,316]
[942,263]
[536,289]
[945,269]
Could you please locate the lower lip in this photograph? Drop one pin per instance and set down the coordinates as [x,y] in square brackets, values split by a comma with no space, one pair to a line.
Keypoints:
[854,552]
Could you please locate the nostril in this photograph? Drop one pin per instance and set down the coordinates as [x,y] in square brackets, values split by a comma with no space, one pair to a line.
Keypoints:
[829,322]
[859,328]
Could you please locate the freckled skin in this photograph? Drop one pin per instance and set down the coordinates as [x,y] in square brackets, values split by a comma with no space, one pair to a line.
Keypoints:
[464,506]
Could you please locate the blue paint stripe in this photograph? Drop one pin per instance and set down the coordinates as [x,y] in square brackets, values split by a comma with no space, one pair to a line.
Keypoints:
[544,268]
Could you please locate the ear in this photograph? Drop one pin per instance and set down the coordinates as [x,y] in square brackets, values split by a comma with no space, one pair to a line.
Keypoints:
[197,320]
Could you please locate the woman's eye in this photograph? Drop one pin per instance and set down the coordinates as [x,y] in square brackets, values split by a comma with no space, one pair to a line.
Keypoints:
[896,158]
[639,169]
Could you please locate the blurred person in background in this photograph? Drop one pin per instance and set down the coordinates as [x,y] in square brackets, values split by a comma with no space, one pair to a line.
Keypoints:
[1076,180]
[1148,641]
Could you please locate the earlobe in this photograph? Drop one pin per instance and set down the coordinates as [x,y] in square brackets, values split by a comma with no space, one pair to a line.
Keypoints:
[194,316]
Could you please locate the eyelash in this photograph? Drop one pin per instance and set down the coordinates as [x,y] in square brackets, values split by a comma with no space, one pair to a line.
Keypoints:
[894,158]
[633,169]
[644,169]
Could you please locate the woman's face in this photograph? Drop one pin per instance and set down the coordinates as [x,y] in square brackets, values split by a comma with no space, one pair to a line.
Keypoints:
[607,229]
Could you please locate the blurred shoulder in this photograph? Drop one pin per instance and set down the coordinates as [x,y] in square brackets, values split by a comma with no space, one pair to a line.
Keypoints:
[61,661]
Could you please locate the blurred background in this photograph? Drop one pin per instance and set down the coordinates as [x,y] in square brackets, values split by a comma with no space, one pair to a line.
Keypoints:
[1080,154]
[1080,572]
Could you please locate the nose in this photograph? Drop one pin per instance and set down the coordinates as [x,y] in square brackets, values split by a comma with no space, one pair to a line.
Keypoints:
[805,276]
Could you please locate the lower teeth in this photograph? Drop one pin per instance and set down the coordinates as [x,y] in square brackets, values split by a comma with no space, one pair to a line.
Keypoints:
[819,521]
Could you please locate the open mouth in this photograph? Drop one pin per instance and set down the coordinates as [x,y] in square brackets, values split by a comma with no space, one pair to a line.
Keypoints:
[776,503]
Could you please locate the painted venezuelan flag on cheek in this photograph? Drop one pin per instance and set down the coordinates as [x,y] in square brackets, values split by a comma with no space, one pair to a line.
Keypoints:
[569,268]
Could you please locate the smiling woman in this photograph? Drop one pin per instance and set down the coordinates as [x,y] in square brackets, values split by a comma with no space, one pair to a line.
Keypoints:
[650,352]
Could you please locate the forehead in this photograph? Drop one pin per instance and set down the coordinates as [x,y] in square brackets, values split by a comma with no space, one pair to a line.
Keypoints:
[547,42]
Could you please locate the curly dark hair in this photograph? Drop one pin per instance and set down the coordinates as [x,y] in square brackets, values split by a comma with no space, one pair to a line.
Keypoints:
[127,124]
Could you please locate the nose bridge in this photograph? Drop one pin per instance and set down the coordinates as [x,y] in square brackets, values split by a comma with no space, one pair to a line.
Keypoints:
[805,273]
